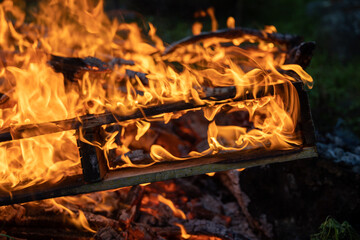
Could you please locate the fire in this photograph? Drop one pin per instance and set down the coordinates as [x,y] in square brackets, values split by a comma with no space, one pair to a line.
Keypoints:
[177,212]
[79,221]
[230,23]
[184,234]
[38,94]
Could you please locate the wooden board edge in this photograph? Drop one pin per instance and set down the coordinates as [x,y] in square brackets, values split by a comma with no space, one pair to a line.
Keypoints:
[119,178]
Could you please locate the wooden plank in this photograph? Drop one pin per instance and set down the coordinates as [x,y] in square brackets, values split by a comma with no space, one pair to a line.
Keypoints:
[305,124]
[93,161]
[89,121]
[158,172]
[166,170]
[287,39]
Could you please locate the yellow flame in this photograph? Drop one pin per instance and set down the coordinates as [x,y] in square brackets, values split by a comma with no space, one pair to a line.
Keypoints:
[214,24]
[38,94]
[196,28]
[177,212]
[184,234]
[79,220]
[230,23]
[144,184]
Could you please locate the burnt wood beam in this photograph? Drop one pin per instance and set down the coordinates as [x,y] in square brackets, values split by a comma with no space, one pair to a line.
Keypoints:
[223,95]
[73,68]
[93,161]
[301,54]
[287,39]
[222,161]
[307,126]
[123,177]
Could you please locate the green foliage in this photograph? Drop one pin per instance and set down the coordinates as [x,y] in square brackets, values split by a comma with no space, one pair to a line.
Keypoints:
[333,230]
[336,91]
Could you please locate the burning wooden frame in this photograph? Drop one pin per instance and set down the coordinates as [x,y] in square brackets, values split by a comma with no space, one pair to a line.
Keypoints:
[96,173]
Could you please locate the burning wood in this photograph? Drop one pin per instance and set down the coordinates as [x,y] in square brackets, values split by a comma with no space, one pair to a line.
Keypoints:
[235,33]
[217,96]
[135,113]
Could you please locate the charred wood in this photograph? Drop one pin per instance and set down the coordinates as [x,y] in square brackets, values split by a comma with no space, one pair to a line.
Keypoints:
[73,68]
[55,220]
[119,61]
[140,75]
[206,227]
[287,39]
[91,120]
[190,189]
[3,98]
[140,231]
[98,220]
[39,233]
[107,233]
[123,177]
[133,202]
[171,232]
[231,180]
[301,54]
[136,157]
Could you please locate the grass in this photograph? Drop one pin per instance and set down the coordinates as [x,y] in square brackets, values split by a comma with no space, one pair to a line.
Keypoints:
[336,92]
[333,230]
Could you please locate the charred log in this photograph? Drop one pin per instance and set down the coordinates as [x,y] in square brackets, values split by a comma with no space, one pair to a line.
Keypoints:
[3,98]
[301,54]
[140,75]
[119,61]
[231,180]
[73,68]
[132,202]
[40,232]
[287,39]
[90,121]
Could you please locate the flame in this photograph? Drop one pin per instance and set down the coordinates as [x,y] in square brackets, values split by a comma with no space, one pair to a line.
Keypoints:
[214,24]
[177,212]
[184,234]
[38,94]
[230,23]
[196,28]
[210,174]
[144,184]
[77,219]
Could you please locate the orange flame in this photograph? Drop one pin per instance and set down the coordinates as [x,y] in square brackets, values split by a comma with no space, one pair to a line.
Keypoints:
[38,94]
[184,234]
[196,28]
[214,23]
[230,23]
[177,212]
